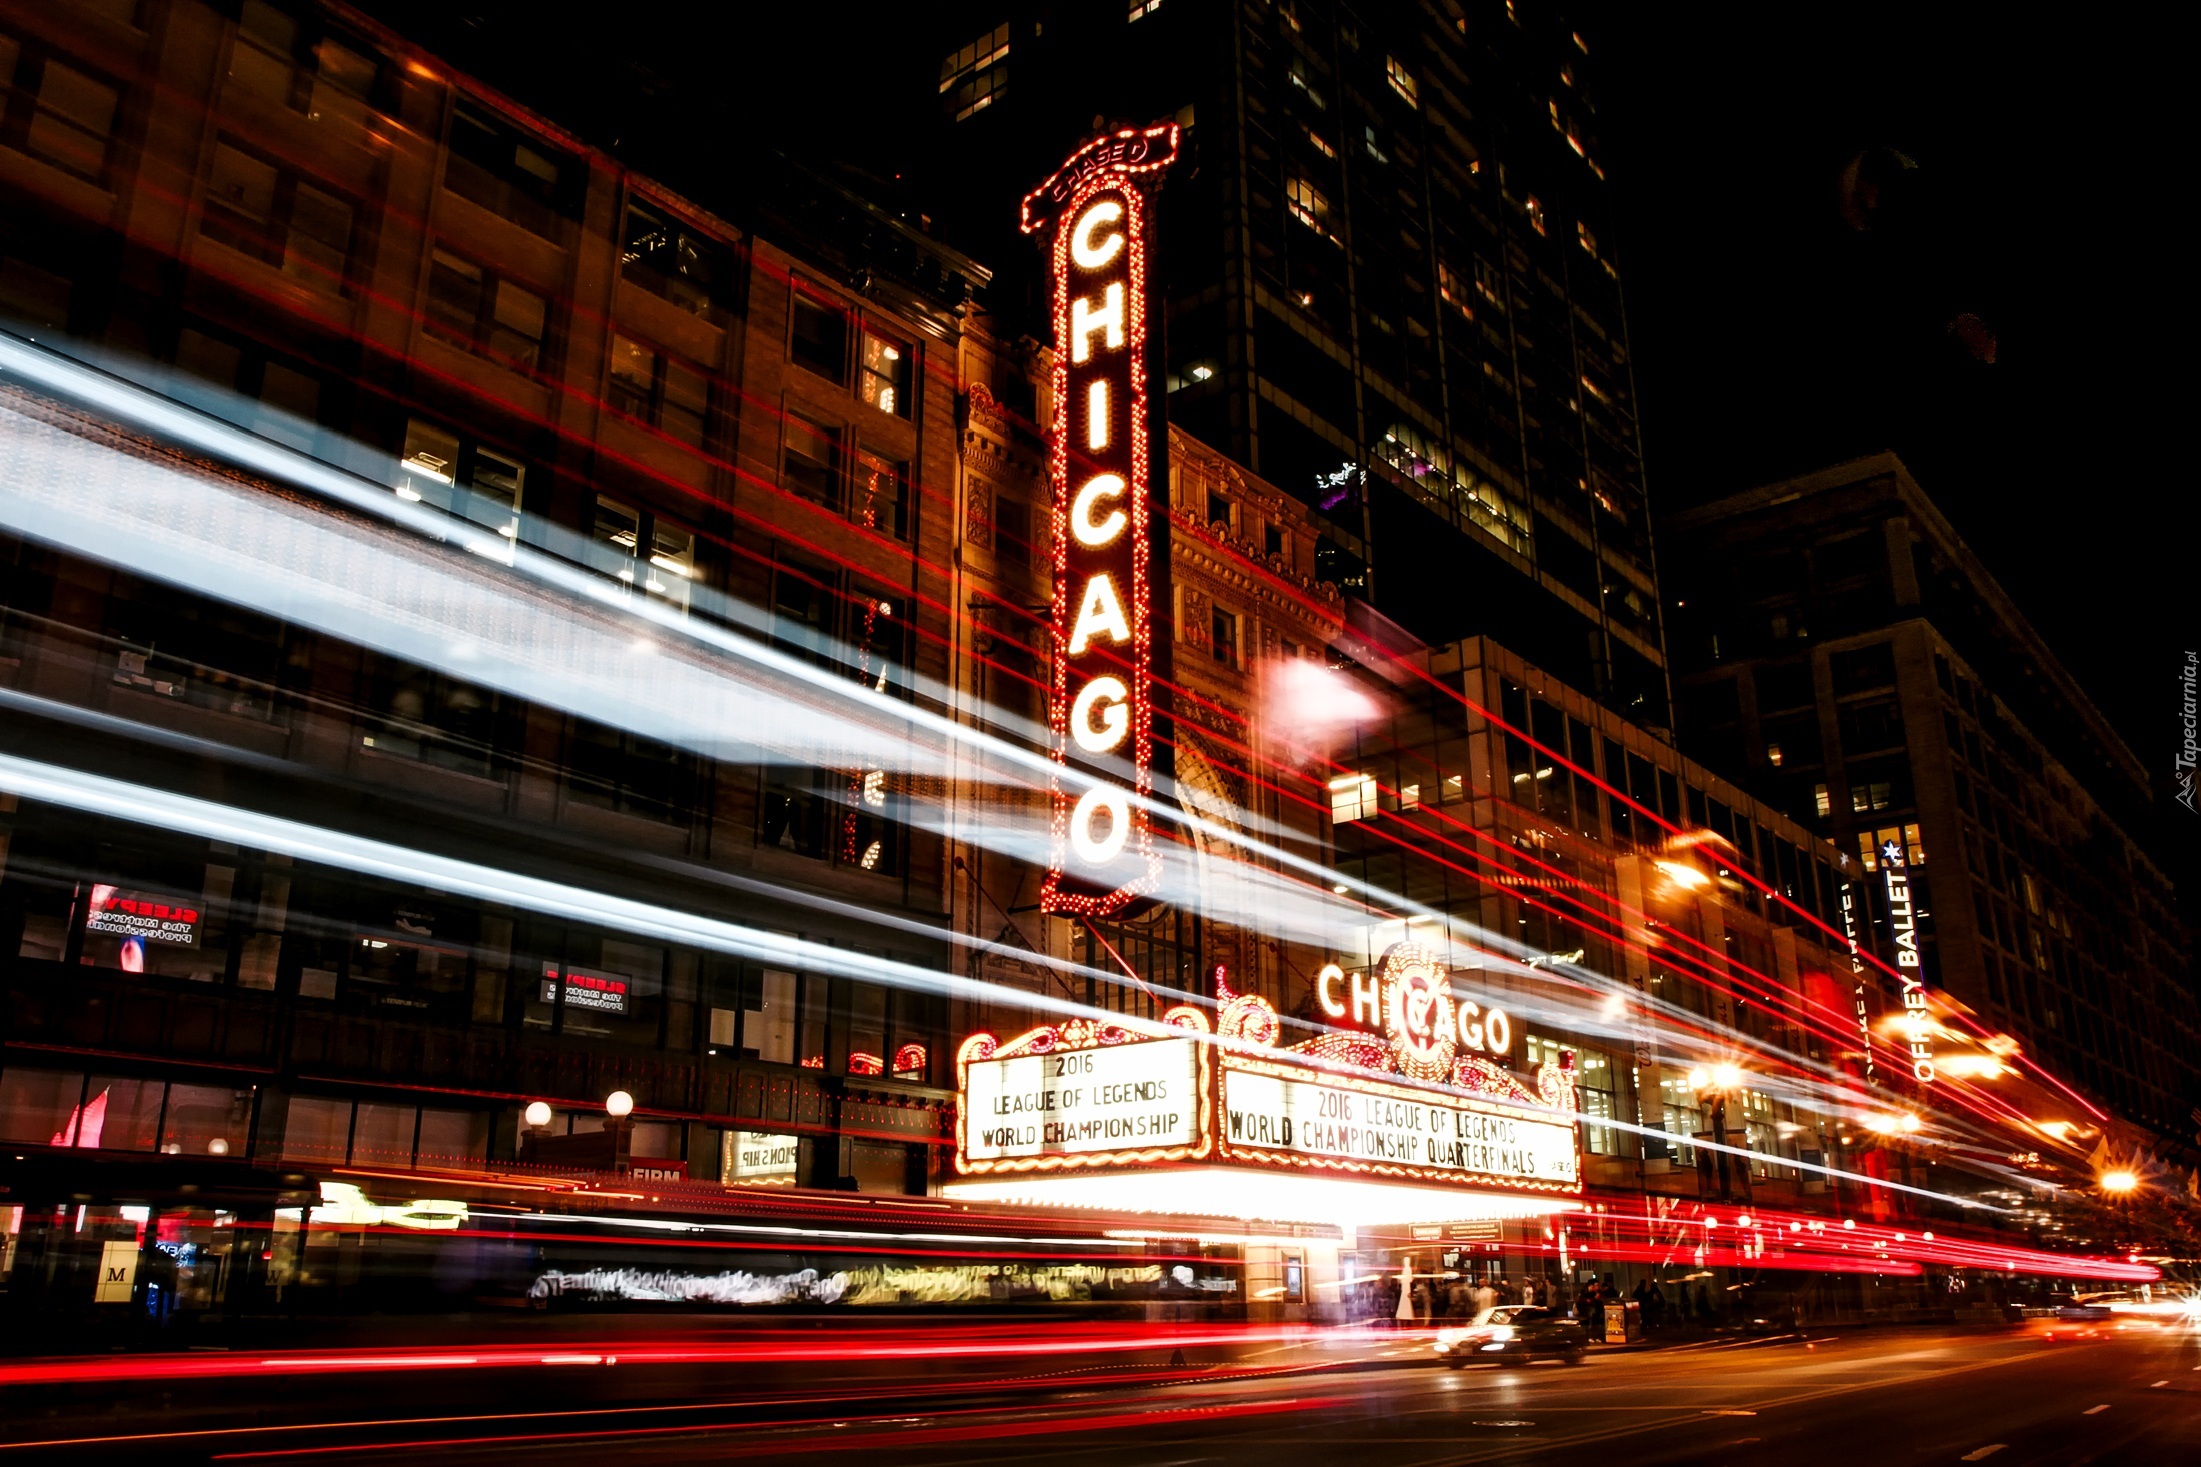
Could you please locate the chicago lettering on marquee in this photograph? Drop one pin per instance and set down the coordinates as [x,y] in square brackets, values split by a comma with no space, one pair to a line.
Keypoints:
[1101,854]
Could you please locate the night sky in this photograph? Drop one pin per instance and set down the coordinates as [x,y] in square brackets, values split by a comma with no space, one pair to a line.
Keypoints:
[1996,301]
[1781,323]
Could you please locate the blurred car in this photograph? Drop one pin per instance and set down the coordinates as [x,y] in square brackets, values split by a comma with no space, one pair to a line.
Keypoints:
[1513,1334]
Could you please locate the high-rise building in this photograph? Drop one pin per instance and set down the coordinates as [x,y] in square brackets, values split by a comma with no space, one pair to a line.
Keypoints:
[284,228]
[1844,654]
[1391,284]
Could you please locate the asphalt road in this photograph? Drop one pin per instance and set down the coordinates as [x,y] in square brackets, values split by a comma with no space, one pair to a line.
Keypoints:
[2130,1394]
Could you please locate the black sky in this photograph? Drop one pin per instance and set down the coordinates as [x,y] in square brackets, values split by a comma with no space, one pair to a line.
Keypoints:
[1774,336]
[2032,180]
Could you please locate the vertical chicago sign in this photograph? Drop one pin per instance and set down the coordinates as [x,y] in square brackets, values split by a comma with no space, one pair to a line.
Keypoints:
[1098,207]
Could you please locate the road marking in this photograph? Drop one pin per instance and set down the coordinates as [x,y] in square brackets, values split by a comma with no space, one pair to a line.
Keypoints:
[2095,1410]
[1730,1413]
[2158,1385]
[1983,1453]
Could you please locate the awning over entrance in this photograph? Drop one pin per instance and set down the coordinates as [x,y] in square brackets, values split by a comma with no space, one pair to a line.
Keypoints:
[1252,1195]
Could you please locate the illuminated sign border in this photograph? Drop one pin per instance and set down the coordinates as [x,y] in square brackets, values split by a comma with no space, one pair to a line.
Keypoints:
[1075,1035]
[1245,1031]
[1118,167]
[1304,1074]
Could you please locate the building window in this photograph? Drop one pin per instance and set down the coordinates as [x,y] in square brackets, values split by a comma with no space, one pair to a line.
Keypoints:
[416,713]
[1223,637]
[1141,8]
[883,375]
[1218,512]
[668,259]
[290,399]
[1869,727]
[1308,206]
[977,76]
[1453,291]
[459,476]
[1863,669]
[651,387]
[59,113]
[296,64]
[1352,797]
[1870,844]
[640,547]
[1535,210]
[615,769]
[818,337]
[1402,80]
[1272,541]
[879,494]
[471,307]
[1869,795]
[811,466]
[1012,531]
[176,646]
[257,209]
[511,174]
[1298,78]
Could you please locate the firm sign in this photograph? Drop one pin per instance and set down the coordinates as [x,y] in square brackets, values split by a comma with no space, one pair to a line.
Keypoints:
[1099,207]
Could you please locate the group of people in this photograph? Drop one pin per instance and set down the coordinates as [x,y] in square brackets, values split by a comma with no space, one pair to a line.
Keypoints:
[1432,1298]
[1429,1299]
[1658,1311]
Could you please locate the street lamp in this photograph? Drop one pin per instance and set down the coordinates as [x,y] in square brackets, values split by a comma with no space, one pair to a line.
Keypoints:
[2120,1181]
[619,1105]
[537,1114]
[1718,1082]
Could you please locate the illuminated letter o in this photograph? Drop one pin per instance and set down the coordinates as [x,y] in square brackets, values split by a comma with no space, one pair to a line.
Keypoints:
[1498,1029]
[1091,256]
[1100,852]
[1097,488]
[1471,1032]
[1115,718]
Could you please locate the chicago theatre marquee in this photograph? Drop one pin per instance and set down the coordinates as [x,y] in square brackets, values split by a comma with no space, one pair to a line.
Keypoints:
[1407,1110]
[1407,1113]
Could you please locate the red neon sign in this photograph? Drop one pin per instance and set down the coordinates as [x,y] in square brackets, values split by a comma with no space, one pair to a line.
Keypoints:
[1101,851]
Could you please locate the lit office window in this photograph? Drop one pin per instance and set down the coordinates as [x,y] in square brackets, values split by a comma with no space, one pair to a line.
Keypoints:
[1308,206]
[1352,797]
[459,476]
[883,375]
[1402,80]
[639,547]
[977,76]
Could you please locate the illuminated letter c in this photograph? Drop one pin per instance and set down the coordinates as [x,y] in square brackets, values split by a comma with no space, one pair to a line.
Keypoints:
[1091,256]
[1082,524]
[1331,1005]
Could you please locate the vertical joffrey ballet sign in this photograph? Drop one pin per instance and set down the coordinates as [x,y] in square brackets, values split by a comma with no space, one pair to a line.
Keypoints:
[1096,214]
